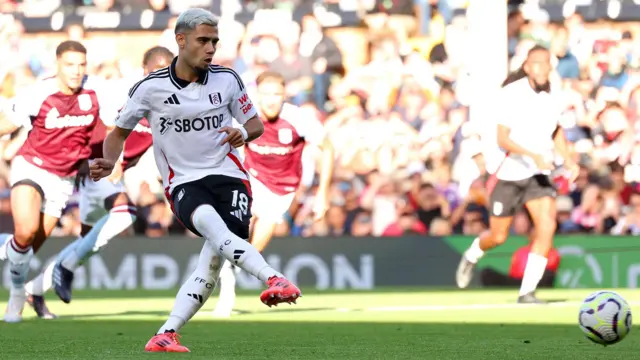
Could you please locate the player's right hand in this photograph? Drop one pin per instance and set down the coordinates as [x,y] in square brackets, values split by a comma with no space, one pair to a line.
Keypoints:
[100,168]
[542,163]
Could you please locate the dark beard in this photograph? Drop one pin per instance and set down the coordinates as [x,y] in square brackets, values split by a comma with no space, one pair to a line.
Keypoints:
[546,87]
[200,71]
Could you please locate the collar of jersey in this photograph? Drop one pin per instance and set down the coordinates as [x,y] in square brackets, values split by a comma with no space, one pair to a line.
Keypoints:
[181,83]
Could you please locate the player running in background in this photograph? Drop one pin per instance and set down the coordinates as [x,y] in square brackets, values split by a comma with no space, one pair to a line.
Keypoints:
[105,208]
[63,112]
[190,107]
[521,160]
[275,162]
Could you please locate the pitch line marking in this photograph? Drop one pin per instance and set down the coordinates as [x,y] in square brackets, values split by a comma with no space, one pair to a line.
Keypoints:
[476,306]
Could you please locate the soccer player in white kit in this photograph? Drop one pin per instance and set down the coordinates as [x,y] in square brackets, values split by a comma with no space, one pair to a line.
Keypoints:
[190,106]
[275,163]
[520,162]
[105,208]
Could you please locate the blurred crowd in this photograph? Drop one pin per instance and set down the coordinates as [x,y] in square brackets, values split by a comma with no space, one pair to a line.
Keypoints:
[409,161]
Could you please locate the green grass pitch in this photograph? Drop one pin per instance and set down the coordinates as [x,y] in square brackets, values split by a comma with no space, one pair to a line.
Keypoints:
[384,324]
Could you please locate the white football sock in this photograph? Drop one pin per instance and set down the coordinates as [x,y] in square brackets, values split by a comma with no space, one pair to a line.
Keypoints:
[19,258]
[3,249]
[68,256]
[209,223]
[108,227]
[533,272]
[195,291]
[474,253]
[42,283]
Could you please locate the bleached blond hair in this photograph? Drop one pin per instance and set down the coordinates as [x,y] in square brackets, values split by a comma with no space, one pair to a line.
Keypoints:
[190,19]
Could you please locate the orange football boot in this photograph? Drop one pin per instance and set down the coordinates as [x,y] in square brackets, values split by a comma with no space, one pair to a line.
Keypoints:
[167,342]
[280,290]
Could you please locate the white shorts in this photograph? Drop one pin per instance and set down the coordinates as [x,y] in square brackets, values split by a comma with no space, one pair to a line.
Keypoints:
[268,205]
[57,189]
[92,199]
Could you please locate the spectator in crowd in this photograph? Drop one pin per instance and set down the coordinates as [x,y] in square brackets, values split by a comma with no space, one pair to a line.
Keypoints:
[362,225]
[630,223]
[568,66]
[296,68]
[324,55]
[564,208]
[406,221]
[588,215]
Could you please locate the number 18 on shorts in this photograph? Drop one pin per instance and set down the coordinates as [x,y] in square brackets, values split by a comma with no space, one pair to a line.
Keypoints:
[229,196]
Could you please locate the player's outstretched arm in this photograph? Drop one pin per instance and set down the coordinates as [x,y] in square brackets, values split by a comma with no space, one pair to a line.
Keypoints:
[114,143]
[112,148]
[315,135]
[326,174]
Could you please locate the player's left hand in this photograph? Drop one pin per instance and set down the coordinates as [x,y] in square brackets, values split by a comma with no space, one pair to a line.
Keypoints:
[100,168]
[234,137]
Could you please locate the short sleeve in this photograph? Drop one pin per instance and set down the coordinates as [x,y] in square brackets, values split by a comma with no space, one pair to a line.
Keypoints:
[135,107]
[305,122]
[23,107]
[110,104]
[242,108]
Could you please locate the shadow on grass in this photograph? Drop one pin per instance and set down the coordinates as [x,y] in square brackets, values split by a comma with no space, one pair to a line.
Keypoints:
[555,301]
[107,339]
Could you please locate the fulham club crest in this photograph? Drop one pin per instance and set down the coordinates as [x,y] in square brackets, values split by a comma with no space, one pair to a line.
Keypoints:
[215,99]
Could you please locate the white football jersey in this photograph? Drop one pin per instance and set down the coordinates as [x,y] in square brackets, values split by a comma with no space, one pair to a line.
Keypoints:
[185,119]
[532,118]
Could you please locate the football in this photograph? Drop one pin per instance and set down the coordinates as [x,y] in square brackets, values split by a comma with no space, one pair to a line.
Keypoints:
[605,317]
